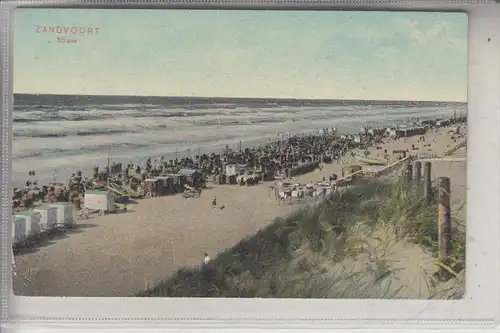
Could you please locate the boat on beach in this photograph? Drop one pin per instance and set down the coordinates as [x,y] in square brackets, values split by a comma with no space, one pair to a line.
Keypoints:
[370,161]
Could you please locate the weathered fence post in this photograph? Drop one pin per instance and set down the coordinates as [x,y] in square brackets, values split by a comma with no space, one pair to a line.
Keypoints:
[417,172]
[427,182]
[409,172]
[444,222]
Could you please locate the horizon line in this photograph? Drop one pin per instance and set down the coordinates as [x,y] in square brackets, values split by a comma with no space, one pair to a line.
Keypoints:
[255,98]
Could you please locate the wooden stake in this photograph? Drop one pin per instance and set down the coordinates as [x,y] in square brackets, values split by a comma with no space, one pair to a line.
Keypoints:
[409,173]
[444,222]
[427,182]
[417,172]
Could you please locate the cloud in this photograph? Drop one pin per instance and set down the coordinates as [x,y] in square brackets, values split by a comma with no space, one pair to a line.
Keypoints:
[424,34]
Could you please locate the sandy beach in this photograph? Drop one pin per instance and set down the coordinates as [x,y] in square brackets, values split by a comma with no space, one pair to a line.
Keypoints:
[121,254]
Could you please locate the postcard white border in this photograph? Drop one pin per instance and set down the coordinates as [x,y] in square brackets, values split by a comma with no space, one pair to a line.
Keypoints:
[481,306]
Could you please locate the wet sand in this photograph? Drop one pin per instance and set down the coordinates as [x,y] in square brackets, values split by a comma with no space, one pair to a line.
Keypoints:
[121,254]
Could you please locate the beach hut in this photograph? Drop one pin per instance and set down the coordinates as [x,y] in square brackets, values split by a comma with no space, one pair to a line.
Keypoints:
[231,170]
[166,185]
[48,217]
[232,180]
[32,222]
[20,228]
[193,177]
[100,200]
[64,213]
[13,231]
[175,182]
[392,132]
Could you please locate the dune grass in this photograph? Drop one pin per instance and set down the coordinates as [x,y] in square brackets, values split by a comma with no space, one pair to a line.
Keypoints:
[356,244]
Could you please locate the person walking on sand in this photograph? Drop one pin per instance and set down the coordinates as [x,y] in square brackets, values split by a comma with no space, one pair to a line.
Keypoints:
[214,202]
[208,268]
[207,259]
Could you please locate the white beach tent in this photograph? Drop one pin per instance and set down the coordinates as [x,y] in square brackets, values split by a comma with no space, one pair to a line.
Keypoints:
[64,213]
[231,169]
[48,217]
[18,229]
[21,227]
[100,200]
[32,222]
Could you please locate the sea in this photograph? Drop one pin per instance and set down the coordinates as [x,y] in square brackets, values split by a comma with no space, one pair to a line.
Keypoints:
[55,135]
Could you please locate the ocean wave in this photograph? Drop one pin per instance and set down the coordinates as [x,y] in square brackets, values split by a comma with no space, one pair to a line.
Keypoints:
[96,112]
[50,152]
[34,117]
[76,133]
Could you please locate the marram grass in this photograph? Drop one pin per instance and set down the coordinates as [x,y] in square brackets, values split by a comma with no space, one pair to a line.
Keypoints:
[375,240]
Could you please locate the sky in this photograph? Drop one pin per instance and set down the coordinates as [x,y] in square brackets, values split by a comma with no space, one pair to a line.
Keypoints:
[229,53]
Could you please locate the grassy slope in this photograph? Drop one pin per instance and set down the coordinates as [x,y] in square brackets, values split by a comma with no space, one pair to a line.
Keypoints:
[358,244]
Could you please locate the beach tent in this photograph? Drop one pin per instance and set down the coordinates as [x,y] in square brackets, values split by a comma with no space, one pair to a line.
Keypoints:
[32,222]
[193,176]
[48,217]
[166,184]
[64,213]
[100,200]
[13,230]
[21,227]
[231,170]
[392,132]
[234,169]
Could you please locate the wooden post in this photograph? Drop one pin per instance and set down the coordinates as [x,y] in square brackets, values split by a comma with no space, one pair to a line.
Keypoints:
[444,222]
[409,172]
[417,172]
[427,182]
